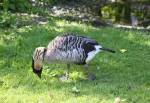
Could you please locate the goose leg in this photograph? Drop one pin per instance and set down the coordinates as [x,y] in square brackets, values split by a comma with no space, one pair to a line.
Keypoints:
[91,76]
[66,76]
[67,72]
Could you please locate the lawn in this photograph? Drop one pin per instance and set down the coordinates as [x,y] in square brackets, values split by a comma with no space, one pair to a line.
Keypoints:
[125,74]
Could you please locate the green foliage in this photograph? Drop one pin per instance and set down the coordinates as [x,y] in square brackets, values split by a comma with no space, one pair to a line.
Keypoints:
[141,14]
[15,5]
[4,19]
[26,5]
[144,1]
[116,12]
[4,5]
[9,20]
[19,5]
[51,2]
[121,10]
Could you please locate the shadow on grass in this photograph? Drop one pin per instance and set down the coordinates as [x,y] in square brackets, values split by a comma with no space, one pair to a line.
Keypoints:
[120,74]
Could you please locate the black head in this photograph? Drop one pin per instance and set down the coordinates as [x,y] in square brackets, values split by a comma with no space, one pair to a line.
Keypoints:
[37,71]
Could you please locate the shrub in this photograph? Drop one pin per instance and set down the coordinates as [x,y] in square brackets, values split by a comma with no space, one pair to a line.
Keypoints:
[115,12]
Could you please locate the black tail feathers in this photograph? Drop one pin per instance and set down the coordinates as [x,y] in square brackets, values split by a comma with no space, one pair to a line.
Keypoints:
[106,49]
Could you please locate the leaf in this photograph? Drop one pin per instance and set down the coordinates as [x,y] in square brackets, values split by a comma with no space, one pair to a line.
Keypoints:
[117,100]
[123,50]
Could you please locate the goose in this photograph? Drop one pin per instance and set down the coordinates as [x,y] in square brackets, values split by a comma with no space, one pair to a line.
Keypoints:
[68,48]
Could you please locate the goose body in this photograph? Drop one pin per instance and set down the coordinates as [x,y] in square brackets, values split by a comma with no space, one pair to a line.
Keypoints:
[69,48]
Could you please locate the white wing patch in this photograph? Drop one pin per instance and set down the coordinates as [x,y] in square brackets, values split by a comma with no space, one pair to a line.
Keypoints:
[92,54]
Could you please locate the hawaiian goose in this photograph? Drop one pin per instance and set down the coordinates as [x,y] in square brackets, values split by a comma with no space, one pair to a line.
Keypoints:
[69,49]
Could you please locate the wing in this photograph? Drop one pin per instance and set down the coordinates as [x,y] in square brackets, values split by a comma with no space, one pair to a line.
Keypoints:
[70,42]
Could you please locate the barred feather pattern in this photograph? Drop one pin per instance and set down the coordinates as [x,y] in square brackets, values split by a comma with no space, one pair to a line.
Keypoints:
[70,48]
[38,53]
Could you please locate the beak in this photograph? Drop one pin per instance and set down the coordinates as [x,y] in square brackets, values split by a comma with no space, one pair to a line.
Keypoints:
[38,71]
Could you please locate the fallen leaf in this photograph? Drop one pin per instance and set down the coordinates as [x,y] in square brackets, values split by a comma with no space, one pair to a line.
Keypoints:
[117,100]
[123,50]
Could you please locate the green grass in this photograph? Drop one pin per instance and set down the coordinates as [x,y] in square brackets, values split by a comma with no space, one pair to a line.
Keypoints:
[125,75]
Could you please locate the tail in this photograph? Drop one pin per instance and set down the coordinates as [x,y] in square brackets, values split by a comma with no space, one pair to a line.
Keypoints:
[106,49]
